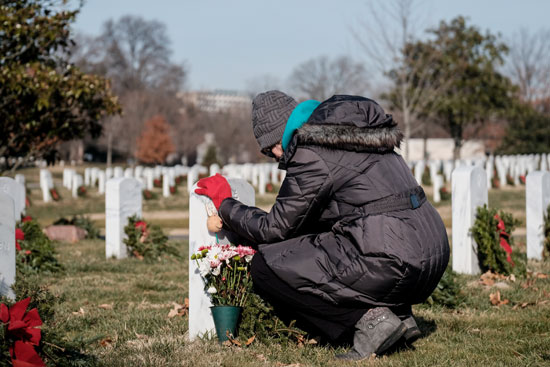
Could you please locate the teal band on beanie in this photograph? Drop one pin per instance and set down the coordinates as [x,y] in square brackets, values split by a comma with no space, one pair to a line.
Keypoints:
[297,118]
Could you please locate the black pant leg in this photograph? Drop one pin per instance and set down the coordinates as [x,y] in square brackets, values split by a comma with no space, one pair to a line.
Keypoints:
[312,313]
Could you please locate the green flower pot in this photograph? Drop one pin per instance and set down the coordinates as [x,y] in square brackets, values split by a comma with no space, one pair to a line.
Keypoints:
[225,319]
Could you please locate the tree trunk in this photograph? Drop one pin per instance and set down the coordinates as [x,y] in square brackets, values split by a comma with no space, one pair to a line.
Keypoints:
[457,147]
[109,148]
[407,133]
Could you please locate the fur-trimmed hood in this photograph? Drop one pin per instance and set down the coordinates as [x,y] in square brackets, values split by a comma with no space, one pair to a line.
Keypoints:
[351,123]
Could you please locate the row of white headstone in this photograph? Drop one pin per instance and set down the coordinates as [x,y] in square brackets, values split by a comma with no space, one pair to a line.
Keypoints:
[513,165]
[257,174]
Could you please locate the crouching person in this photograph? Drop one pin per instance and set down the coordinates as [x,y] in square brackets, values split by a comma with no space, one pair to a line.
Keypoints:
[351,241]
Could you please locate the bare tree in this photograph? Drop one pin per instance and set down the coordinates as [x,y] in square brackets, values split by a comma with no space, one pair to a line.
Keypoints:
[321,78]
[385,37]
[135,54]
[529,64]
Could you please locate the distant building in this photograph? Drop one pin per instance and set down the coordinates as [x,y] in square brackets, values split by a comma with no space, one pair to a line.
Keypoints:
[216,100]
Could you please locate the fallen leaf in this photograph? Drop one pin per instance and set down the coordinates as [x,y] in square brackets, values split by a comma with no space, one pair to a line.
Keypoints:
[541,276]
[512,278]
[542,302]
[250,340]
[140,336]
[487,278]
[186,303]
[105,342]
[261,357]
[106,306]
[177,310]
[231,339]
[495,299]
[227,343]
[79,312]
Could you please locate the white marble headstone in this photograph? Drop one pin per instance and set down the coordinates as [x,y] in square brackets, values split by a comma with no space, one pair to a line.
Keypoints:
[101,178]
[214,168]
[469,192]
[437,185]
[77,182]
[537,198]
[7,245]
[17,192]
[166,185]
[200,318]
[122,200]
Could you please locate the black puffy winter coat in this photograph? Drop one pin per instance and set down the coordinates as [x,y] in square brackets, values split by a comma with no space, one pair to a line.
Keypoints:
[321,235]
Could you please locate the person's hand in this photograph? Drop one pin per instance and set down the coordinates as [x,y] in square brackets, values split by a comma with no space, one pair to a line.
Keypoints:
[215,187]
[214,223]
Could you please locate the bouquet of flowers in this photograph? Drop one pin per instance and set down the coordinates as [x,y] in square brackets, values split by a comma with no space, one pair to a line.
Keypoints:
[226,271]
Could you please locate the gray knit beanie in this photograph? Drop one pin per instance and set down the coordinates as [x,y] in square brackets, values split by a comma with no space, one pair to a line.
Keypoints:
[270,112]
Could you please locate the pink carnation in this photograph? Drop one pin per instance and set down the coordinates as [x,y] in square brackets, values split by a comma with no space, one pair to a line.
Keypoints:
[245,250]
[214,263]
[204,248]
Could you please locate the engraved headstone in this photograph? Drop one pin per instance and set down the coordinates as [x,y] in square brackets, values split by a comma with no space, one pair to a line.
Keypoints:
[200,318]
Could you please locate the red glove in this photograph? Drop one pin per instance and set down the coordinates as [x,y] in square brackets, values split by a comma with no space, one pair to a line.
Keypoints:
[215,187]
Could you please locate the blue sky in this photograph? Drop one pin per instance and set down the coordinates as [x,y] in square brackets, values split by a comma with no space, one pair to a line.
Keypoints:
[227,43]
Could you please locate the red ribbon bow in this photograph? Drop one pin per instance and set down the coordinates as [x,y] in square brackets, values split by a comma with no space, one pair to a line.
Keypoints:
[22,326]
[504,239]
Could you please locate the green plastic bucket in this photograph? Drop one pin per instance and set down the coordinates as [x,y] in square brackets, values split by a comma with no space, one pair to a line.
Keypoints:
[225,319]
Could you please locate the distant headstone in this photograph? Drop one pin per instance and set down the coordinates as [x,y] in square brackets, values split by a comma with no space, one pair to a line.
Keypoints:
[262,179]
[437,185]
[77,182]
[192,178]
[419,171]
[128,172]
[20,179]
[149,177]
[200,318]
[469,192]
[166,185]
[101,178]
[87,176]
[122,200]
[214,168]
[7,245]
[118,172]
[537,198]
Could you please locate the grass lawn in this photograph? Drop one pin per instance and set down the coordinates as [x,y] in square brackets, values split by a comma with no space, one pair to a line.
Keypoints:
[121,308]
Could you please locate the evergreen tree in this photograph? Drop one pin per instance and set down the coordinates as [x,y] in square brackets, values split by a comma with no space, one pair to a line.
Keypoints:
[468,60]
[44,99]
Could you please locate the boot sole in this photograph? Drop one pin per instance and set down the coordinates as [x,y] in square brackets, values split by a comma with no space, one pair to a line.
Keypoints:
[392,339]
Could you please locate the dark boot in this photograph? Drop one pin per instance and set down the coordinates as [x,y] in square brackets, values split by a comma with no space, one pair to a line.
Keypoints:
[413,332]
[375,332]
